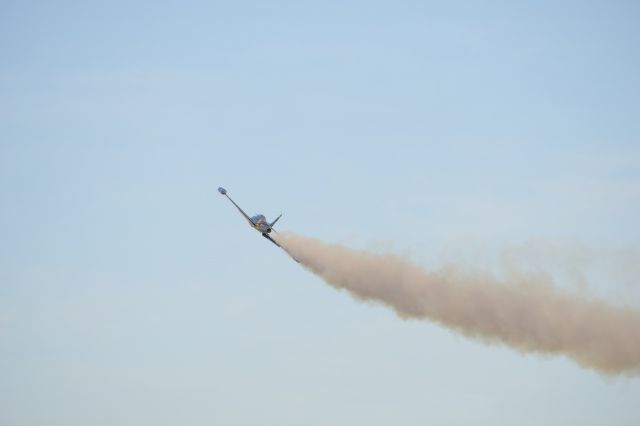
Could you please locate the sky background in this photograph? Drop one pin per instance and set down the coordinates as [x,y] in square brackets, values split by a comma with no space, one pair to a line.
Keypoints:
[131,293]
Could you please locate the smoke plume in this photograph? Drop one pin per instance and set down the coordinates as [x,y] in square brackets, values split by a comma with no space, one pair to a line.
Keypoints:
[525,313]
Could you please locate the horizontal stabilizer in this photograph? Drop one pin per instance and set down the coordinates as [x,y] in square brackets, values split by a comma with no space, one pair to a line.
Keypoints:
[274,222]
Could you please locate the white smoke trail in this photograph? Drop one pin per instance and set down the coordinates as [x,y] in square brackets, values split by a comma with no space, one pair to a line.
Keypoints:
[526,313]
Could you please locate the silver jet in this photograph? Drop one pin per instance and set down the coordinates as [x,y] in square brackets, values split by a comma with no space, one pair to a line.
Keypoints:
[257,222]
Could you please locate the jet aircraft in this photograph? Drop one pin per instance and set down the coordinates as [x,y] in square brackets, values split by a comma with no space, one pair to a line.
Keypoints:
[257,222]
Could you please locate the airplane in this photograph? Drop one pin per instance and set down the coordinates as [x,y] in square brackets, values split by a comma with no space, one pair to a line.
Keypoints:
[257,222]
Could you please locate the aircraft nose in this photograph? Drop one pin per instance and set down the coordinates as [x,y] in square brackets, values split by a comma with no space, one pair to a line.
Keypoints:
[222,190]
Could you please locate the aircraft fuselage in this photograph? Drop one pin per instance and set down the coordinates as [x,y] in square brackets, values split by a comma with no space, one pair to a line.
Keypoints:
[257,222]
[260,223]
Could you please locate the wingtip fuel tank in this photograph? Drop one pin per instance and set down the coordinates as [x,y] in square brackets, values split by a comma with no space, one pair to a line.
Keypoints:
[222,190]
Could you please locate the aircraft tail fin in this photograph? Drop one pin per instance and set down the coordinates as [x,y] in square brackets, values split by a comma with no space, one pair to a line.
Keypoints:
[274,222]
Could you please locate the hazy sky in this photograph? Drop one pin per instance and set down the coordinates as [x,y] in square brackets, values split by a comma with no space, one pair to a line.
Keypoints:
[132,293]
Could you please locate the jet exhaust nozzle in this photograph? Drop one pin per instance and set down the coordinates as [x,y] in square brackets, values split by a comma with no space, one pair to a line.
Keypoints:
[222,190]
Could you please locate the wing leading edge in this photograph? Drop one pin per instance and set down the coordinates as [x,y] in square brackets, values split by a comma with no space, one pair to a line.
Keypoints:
[270,239]
[246,216]
[274,242]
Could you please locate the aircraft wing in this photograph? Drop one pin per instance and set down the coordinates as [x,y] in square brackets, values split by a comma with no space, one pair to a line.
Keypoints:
[274,242]
[246,216]
[270,239]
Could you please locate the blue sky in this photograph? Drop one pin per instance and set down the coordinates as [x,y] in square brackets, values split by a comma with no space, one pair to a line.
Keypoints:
[132,293]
